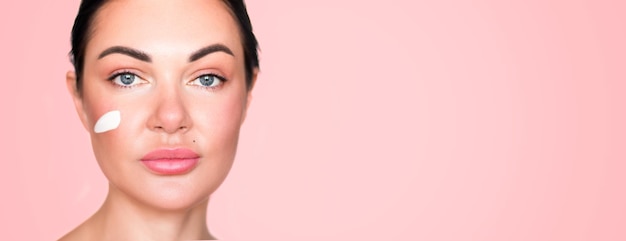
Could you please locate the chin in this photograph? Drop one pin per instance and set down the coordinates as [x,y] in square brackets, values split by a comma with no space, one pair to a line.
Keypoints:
[172,195]
[136,183]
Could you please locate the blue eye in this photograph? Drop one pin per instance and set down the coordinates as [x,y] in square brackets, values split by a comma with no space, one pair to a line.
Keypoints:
[125,79]
[208,80]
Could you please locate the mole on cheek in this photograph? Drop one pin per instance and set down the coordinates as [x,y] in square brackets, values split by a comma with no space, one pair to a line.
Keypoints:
[108,121]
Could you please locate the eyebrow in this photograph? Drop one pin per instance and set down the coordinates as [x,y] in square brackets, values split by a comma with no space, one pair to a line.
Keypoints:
[209,50]
[138,54]
[126,51]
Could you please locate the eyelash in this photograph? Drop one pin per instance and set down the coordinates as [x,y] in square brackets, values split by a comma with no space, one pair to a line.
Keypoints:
[124,72]
[221,78]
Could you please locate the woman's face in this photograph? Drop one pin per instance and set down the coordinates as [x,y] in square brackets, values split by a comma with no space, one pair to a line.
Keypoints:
[175,72]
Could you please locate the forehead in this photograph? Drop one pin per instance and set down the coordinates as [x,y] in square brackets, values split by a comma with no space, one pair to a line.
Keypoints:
[164,26]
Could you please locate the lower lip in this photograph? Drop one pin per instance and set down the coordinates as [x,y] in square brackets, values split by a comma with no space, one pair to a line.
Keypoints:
[170,166]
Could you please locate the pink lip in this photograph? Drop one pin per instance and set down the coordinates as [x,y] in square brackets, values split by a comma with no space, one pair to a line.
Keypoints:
[170,161]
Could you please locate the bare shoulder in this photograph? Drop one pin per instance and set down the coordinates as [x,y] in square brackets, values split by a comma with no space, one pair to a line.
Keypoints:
[79,233]
[73,235]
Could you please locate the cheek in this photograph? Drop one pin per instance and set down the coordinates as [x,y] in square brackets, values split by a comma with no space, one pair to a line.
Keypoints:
[110,124]
[108,121]
[219,124]
[115,127]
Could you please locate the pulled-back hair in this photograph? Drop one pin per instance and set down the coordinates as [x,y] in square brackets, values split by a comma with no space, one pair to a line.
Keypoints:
[82,31]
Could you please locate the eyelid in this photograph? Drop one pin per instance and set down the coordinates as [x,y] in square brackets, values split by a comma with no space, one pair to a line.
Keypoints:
[118,73]
[209,72]
[124,71]
[200,74]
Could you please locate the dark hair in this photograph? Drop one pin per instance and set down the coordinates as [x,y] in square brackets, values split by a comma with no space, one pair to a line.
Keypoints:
[81,32]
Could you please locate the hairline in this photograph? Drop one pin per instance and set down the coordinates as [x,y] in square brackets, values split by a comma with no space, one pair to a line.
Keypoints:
[93,21]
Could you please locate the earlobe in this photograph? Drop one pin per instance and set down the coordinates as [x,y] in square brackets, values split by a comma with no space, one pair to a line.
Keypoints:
[70,82]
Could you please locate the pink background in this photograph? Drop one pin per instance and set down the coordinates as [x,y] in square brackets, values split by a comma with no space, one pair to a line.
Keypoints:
[371,120]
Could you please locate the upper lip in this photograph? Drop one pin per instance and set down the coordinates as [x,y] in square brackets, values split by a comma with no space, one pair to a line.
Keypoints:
[175,153]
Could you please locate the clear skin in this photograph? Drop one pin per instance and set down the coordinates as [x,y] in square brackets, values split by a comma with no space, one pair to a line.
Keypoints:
[165,107]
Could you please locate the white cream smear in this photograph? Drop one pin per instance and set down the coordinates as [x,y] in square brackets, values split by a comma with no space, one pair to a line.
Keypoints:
[108,121]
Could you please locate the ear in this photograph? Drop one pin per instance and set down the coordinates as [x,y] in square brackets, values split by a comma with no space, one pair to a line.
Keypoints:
[70,81]
[255,73]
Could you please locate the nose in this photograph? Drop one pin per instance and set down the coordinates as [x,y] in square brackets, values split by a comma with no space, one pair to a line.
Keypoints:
[170,114]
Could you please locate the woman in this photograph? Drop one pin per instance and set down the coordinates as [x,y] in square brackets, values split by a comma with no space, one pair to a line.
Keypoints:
[163,88]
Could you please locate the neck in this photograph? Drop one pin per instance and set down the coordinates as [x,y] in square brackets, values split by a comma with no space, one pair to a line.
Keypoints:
[123,218]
